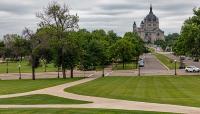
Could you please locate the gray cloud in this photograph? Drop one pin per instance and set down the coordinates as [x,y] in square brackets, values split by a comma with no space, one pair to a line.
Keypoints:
[117,15]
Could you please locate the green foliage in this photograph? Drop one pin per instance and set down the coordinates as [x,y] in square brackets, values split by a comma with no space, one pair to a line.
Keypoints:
[123,50]
[126,49]
[189,41]
[161,43]
[171,38]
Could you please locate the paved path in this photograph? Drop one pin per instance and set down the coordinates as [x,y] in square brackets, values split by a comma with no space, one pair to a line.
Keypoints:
[14,76]
[39,75]
[99,102]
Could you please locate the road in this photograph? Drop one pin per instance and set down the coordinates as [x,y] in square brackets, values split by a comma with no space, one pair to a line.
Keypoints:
[152,67]
[152,63]
[187,62]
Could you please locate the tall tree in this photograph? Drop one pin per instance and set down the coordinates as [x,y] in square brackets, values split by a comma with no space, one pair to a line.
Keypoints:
[58,18]
[138,43]
[123,50]
[72,52]
[34,49]
[190,34]
[45,51]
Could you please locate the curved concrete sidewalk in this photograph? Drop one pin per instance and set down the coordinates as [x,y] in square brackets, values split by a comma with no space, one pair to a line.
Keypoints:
[99,102]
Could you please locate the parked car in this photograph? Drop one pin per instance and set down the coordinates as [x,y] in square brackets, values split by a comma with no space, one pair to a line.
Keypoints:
[182,57]
[192,69]
[141,63]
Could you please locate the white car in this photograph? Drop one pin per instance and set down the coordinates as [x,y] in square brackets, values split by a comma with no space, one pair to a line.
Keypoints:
[192,69]
[141,63]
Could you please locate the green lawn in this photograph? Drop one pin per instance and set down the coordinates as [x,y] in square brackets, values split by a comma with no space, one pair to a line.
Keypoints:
[128,66]
[18,86]
[73,111]
[166,90]
[167,61]
[25,67]
[38,99]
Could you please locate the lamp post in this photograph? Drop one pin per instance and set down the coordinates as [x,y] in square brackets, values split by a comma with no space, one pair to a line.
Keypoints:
[7,66]
[20,76]
[175,68]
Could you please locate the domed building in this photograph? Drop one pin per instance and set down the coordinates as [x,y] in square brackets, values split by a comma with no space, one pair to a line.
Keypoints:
[149,29]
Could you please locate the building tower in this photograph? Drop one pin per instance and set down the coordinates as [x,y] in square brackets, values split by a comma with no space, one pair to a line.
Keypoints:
[134,27]
[149,29]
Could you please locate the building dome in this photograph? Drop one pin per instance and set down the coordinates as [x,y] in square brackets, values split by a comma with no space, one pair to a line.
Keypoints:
[151,16]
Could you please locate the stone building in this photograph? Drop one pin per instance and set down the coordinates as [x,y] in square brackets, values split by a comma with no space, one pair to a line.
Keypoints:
[149,29]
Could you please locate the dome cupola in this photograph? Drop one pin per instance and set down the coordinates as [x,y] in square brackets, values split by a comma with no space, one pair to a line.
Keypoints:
[151,16]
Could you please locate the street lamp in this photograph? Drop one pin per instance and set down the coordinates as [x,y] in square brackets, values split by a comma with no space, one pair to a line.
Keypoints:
[20,76]
[6,66]
[175,68]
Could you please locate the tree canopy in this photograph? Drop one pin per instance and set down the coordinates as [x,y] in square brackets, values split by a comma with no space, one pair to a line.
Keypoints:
[189,41]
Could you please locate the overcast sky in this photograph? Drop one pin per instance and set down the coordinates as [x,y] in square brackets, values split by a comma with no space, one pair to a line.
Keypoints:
[117,15]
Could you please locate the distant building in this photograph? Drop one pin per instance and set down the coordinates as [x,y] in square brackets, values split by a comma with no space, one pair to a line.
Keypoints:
[149,29]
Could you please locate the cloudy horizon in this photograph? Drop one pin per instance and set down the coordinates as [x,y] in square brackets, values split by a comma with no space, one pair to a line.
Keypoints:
[117,15]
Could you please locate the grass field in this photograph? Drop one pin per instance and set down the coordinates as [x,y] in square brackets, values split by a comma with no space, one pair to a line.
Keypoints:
[73,111]
[38,99]
[18,86]
[165,90]
[25,67]
[128,66]
[167,61]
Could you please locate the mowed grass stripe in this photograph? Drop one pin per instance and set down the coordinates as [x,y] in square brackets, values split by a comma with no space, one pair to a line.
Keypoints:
[20,86]
[73,111]
[38,99]
[167,90]
[191,95]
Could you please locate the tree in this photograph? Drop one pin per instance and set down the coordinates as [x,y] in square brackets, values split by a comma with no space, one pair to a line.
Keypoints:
[2,49]
[112,37]
[60,20]
[21,46]
[171,38]
[34,49]
[71,52]
[45,51]
[161,43]
[138,43]
[189,40]
[123,50]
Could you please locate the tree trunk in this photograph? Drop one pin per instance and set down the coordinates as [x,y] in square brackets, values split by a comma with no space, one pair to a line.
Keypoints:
[33,67]
[123,62]
[64,73]
[72,72]
[103,74]
[137,60]
[58,72]
[45,66]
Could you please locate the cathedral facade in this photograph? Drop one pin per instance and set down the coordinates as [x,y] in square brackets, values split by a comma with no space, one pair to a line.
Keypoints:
[149,29]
